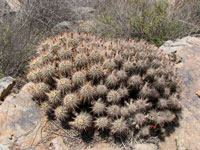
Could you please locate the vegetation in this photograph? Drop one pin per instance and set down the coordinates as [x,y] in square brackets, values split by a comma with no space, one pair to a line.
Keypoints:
[154,21]
[117,86]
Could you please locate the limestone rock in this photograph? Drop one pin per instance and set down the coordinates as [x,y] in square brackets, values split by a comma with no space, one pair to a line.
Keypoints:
[102,146]
[6,85]
[145,147]
[64,25]
[21,123]
[187,135]
[198,93]
[14,5]
[59,144]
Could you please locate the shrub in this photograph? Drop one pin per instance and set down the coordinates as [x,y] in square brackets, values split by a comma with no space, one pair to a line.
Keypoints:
[15,50]
[99,90]
[154,21]
[21,31]
[1,74]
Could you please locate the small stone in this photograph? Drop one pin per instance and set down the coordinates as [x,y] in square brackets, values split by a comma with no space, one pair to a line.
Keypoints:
[145,147]
[59,144]
[178,59]
[19,116]
[198,93]
[6,85]
[29,148]
[171,50]
[4,147]
[168,49]
[168,43]
[64,24]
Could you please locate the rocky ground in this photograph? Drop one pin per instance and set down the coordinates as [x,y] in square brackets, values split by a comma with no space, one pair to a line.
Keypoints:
[23,126]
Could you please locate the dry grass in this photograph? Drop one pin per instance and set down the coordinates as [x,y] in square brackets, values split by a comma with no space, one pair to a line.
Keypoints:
[20,32]
[154,21]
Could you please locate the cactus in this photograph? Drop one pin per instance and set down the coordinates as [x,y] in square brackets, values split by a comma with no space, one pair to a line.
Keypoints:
[112,81]
[40,89]
[142,105]
[121,75]
[132,108]
[144,132]
[71,101]
[61,113]
[99,107]
[82,121]
[119,126]
[123,92]
[65,66]
[102,90]
[78,78]
[113,96]
[54,97]
[102,123]
[96,72]
[46,107]
[119,86]
[139,120]
[81,60]
[64,84]
[113,111]
[162,117]
[135,82]
[124,111]
[87,92]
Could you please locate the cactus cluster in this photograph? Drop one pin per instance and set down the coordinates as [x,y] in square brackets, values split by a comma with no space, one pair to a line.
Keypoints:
[118,85]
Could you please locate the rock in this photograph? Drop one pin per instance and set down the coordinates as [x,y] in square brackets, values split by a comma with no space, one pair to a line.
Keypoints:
[174,57]
[4,147]
[65,25]
[102,146]
[59,144]
[6,85]
[178,59]
[198,93]
[170,50]
[145,147]
[21,123]
[168,43]
[29,148]
[14,5]
[187,136]
[81,26]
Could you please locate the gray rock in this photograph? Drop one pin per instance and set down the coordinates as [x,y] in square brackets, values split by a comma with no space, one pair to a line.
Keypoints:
[145,147]
[29,148]
[4,147]
[169,49]
[64,24]
[14,5]
[187,136]
[20,119]
[59,144]
[168,43]
[6,85]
